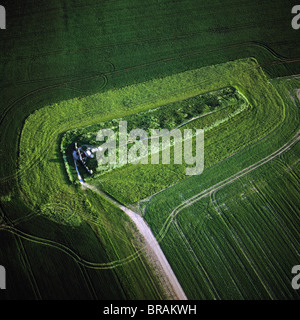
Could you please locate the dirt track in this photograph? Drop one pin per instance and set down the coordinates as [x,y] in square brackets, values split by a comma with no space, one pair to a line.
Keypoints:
[153,251]
[152,247]
[157,257]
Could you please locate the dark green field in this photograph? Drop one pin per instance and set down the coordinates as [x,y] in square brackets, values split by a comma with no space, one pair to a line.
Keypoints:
[66,65]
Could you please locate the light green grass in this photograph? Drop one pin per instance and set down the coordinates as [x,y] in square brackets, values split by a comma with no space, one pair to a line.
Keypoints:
[204,111]
[42,169]
[226,135]
[42,173]
[59,50]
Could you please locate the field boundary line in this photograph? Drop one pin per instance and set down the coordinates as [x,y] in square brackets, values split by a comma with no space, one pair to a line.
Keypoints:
[225,182]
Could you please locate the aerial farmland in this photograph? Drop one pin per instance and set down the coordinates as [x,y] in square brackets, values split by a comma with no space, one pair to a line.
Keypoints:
[149,150]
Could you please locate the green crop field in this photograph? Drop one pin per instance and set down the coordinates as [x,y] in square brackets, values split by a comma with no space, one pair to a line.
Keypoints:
[69,68]
[238,230]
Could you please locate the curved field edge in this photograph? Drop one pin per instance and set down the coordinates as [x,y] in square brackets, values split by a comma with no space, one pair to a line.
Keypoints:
[42,176]
[41,169]
[32,59]
[245,234]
